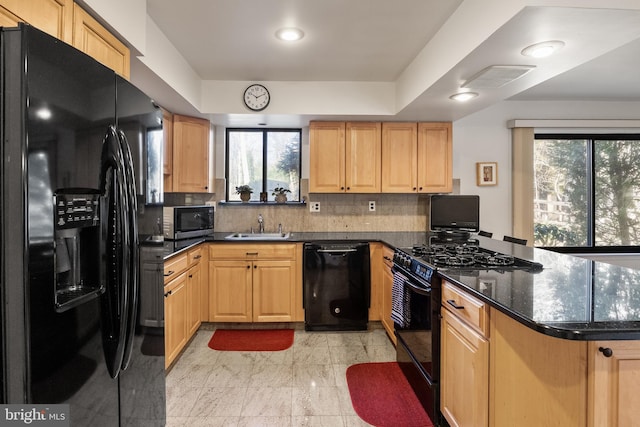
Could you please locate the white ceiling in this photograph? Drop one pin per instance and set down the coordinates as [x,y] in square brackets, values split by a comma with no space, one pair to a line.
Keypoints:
[397,42]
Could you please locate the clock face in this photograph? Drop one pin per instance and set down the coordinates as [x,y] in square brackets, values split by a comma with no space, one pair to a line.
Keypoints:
[256,97]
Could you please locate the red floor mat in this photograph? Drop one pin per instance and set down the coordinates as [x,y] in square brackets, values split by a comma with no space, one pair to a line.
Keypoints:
[381,396]
[251,339]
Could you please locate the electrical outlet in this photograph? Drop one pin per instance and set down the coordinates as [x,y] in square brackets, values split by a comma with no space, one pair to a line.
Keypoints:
[314,207]
[372,206]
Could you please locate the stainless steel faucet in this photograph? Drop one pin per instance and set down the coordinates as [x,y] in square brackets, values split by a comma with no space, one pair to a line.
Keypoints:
[261,223]
[280,228]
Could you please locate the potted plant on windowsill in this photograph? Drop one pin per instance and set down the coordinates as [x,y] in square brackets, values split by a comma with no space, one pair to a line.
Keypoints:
[281,194]
[245,192]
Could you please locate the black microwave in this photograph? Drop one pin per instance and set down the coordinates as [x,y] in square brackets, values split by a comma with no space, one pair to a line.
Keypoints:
[186,222]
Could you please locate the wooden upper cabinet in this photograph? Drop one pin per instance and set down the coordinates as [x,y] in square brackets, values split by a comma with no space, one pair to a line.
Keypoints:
[362,157]
[51,16]
[434,158]
[92,38]
[326,157]
[344,157]
[167,135]
[191,148]
[399,157]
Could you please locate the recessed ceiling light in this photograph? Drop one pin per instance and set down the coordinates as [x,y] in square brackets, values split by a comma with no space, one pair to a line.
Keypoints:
[289,34]
[543,49]
[463,96]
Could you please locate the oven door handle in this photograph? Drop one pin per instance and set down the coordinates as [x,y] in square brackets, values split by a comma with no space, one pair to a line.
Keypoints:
[418,289]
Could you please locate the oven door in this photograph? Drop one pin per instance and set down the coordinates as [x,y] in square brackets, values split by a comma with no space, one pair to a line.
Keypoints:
[418,348]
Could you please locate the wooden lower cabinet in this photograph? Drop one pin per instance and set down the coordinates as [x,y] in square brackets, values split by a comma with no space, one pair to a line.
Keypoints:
[175,314]
[387,292]
[262,284]
[464,398]
[614,382]
[273,291]
[194,285]
[230,291]
[183,293]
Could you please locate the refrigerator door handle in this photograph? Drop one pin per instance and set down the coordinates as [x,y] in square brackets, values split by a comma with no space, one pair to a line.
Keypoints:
[116,266]
[132,226]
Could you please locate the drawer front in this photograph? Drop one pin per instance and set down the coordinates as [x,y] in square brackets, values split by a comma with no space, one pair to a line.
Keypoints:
[174,266]
[195,255]
[252,251]
[467,308]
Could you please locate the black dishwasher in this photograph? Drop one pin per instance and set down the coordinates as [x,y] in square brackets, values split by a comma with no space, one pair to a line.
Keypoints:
[337,288]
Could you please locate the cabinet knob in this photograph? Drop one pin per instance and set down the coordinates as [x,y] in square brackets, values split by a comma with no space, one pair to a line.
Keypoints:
[342,188]
[420,189]
[606,351]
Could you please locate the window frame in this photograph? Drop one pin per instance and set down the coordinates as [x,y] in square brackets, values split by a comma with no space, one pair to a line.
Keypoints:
[591,139]
[265,137]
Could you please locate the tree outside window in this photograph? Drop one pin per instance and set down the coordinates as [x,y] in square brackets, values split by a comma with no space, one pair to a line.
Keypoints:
[263,159]
[587,190]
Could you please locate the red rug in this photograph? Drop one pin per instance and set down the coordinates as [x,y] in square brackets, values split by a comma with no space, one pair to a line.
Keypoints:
[382,396]
[251,339]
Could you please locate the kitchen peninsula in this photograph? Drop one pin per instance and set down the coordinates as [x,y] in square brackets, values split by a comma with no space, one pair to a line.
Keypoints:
[563,343]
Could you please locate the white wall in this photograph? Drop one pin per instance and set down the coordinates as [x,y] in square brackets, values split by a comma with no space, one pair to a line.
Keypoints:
[484,137]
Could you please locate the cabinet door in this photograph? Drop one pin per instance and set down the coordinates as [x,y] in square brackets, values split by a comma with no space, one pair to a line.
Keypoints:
[194,277]
[51,16]
[434,158]
[326,157]
[92,38]
[387,292]
[273,291]
[465,374]
[230,293]
[175,315]
[614,382]
[399,157]
[362,157]
[167,165]
[191,155]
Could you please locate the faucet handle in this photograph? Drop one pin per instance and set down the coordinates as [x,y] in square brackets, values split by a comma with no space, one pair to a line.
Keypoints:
[280,228]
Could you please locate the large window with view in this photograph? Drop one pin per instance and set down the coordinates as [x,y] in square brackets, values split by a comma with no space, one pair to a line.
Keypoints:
[263,159]
[587,191]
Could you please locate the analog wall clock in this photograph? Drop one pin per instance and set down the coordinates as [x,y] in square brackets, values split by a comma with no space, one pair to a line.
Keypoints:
[256,97]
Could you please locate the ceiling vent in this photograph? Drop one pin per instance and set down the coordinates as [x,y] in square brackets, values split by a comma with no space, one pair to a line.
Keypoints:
[497,76]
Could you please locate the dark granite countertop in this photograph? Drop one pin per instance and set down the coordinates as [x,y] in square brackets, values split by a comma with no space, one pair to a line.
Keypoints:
[571,298]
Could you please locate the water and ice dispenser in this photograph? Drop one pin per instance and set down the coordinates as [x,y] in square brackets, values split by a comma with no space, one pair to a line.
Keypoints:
[77,247]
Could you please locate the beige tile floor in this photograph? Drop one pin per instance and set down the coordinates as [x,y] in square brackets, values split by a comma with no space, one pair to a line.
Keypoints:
[302,386]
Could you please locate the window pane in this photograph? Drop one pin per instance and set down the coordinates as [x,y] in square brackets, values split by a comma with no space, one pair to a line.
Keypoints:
[617,193]
[244,163]
[561,192]
[283,163]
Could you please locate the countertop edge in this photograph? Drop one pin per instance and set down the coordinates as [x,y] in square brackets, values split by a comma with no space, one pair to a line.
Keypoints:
[569,331]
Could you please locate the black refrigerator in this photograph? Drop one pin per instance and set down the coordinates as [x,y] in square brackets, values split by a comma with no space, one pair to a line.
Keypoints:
[72,141]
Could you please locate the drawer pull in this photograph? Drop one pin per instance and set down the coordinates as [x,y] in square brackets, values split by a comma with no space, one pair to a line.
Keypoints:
[606,351]
[453,304]
[167,294]
[169,273]
[252,253]
[197,257]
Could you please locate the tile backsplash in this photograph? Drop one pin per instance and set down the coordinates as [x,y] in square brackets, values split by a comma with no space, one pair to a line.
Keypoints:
[338,212]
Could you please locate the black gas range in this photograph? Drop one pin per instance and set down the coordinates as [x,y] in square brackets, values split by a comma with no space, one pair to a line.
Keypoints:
[416,305]
[461,256]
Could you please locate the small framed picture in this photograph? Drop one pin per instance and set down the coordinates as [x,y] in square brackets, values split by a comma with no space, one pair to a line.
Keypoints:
[486,173]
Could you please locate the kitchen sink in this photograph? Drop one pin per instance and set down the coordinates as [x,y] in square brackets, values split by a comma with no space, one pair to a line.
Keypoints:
[258,236]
